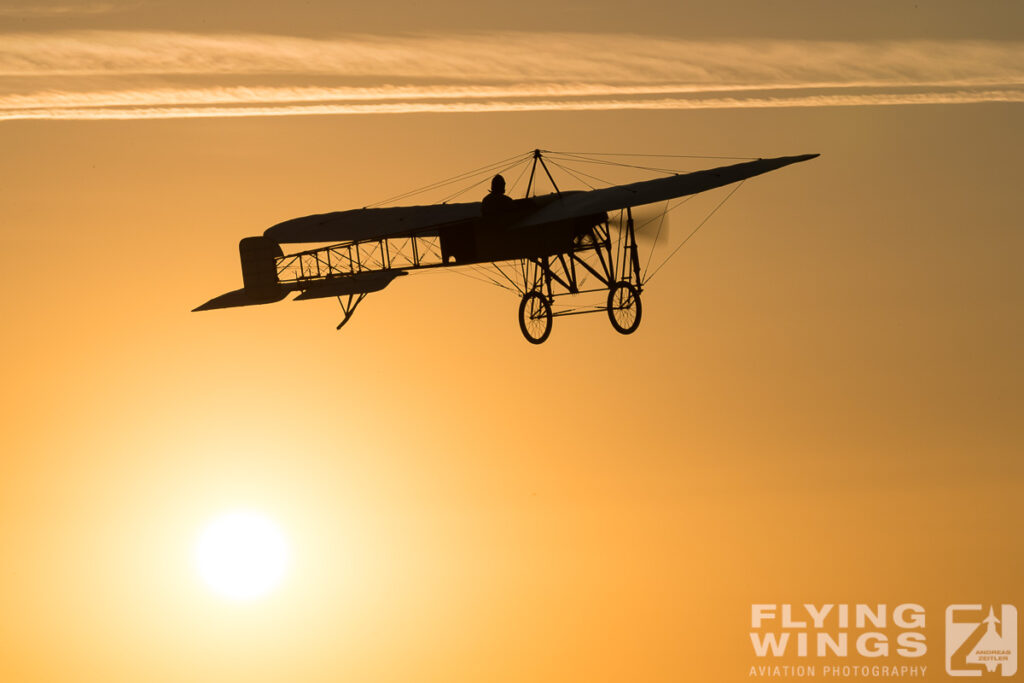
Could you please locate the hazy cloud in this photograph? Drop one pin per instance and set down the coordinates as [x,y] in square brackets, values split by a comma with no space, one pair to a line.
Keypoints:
[109,74]
[44,10]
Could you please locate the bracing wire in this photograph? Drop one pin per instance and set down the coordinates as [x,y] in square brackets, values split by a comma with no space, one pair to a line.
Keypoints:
[661,221]
[606,162]
[454,179]
[573,174]
[481,276]
[694,232]
[519,177]
[663,156]
[486,177]
[669,207]
[511,281]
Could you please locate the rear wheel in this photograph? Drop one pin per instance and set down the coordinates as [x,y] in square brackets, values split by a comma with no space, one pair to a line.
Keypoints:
[535,317]
[624,309]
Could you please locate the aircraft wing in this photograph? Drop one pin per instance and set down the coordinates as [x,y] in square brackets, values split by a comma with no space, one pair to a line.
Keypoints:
[364,224]
[650,191]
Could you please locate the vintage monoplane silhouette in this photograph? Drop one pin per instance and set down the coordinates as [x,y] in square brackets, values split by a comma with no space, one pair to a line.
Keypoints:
[546,246]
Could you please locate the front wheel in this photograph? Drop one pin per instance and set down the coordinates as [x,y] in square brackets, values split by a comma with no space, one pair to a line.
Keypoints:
[624,309]
[535,317]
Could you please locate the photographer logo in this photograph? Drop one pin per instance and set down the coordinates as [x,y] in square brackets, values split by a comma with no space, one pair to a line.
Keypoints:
[981,640]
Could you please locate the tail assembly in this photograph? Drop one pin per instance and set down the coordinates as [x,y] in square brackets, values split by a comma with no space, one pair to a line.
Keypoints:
[259,276]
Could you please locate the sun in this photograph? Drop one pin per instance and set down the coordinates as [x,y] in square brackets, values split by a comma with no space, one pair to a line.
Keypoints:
[242,555]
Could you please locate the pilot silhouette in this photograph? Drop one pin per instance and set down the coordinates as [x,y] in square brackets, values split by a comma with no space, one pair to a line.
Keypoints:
[496,200]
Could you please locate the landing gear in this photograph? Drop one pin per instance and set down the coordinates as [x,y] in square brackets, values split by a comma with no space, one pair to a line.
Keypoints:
[601,262]
[348,306]
[624,308]
[535,317]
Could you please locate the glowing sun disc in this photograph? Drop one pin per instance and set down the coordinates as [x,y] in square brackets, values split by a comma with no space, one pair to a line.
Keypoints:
[242,555]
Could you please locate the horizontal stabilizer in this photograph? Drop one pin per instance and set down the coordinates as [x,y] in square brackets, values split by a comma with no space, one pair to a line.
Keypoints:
[240,297]
[351,284]
[367,224]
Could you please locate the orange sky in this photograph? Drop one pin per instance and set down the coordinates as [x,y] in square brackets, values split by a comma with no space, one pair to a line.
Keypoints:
[822,403]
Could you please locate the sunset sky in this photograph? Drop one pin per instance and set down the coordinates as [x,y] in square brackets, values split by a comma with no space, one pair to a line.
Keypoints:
[822,404]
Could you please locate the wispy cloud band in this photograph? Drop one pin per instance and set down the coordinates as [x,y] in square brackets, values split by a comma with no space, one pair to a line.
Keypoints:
[89,75]
[38,10]
[321,109]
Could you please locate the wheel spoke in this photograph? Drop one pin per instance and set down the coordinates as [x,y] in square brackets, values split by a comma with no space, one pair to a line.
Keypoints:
[535,317]
[624,307]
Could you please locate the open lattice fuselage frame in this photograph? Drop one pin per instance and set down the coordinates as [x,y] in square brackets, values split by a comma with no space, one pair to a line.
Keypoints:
[601,252]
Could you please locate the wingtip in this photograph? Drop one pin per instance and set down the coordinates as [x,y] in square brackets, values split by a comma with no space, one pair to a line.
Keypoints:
[799,158]
[795,159]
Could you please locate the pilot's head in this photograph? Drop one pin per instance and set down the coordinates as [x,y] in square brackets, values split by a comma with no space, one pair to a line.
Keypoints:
[498,184]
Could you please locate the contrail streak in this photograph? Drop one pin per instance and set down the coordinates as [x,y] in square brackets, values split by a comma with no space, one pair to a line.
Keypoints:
[120,75]
[852,100]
